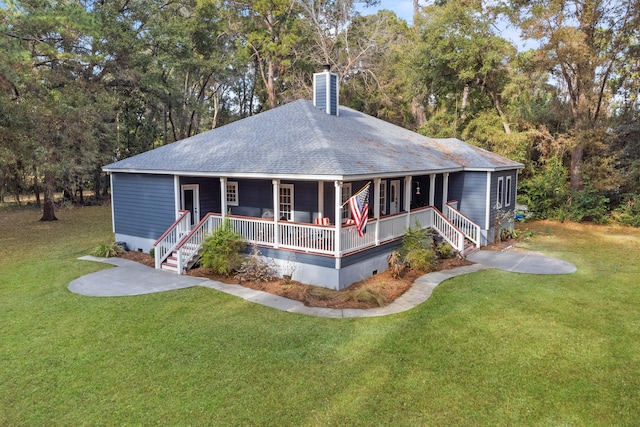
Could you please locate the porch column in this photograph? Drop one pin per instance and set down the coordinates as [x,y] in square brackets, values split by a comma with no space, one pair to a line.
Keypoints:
[176,191]
[408,184]
[276,213]
[338,219]
[223,197]
[432,189]
[376,208]
[445,191]
[321,199]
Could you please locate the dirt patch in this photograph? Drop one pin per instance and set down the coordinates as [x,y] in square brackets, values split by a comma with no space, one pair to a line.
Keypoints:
[140,257]
[376,291]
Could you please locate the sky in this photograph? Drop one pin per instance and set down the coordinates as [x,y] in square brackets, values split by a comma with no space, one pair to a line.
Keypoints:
[404,10]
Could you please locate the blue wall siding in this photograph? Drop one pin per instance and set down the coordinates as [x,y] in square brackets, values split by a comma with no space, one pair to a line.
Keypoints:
[305,203]
[254,196]
[209,189]
[143,205]
[494,191]
[469,189]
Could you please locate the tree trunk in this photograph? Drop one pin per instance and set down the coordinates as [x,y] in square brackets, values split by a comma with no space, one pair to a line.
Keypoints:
[48,209]
[36,185]
[576,165]
[465,100]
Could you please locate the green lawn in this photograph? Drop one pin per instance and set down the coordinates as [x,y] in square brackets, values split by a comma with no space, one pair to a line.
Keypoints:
[491,348]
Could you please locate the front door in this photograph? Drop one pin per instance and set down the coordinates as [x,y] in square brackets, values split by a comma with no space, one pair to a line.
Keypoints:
[191,201]
[394,197]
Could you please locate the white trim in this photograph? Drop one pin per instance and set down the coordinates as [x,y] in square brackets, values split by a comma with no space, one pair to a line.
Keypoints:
[487,222]
[195,212]
[113,216]
[234,185]
[292,211]
[500,192]
[346,193]
[321,199]
[407,198]
[445,189]
[176,194]
[507,191]
[293,177]
[338,214]
[276,211]
[394,184]
[223,196]
[432,189]
[382,199]
[376,208]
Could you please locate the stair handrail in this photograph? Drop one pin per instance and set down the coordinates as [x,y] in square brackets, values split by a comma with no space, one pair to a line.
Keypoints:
[166,243]
[470,229]
[448,230]
[190,244]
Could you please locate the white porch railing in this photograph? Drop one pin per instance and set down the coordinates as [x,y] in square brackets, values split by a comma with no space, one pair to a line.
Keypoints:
[470,229]
[448,230]
[310,238]
[167,243]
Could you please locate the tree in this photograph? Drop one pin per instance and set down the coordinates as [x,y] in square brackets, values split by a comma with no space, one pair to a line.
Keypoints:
[268,31]
[582,43]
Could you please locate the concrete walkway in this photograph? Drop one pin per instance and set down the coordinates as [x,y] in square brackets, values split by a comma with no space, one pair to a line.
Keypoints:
[131,278]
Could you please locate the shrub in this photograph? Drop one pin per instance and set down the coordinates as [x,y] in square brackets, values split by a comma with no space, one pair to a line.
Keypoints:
[547,190]
[444,250]
[416,238]
[152,252]
[629,212]
[106,250]
[222,250]
[588,205]
[422,259]
[255,269]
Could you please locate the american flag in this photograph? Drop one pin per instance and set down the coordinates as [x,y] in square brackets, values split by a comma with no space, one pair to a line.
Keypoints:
[359,204]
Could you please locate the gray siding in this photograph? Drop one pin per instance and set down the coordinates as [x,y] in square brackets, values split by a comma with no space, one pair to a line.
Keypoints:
[321,91]
[469,189]
[143,205]
[333,101]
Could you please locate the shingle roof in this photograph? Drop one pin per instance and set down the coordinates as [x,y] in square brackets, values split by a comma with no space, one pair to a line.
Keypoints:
[299,139]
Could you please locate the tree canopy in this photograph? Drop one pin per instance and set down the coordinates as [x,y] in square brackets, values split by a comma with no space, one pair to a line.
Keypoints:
[85,82]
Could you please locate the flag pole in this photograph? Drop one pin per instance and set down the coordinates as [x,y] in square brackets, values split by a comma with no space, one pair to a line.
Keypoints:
[357,192]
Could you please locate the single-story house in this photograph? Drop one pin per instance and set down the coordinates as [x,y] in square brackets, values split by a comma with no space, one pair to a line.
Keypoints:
[282,178]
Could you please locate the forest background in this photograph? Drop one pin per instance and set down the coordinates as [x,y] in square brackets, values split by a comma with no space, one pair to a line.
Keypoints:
[87,82]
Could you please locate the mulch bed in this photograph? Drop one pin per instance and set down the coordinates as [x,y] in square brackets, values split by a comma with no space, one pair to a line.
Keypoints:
[376,291]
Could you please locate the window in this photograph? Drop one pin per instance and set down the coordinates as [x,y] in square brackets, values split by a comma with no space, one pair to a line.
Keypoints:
[232,193]
[286,202]
[383,197]
[346,194]
[507,192]
[500,195]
